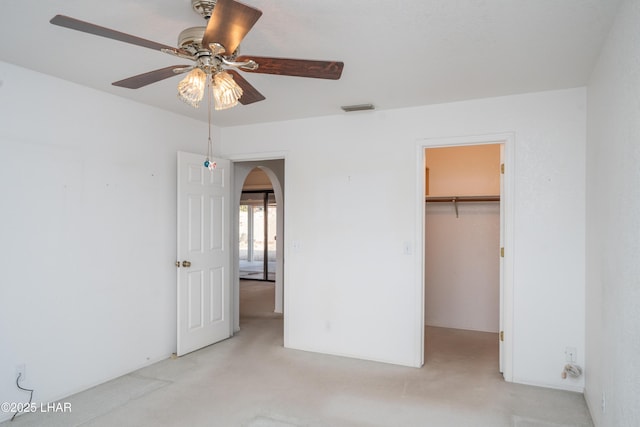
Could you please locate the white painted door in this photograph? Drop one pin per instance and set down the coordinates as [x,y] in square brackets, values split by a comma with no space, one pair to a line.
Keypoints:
[203,285]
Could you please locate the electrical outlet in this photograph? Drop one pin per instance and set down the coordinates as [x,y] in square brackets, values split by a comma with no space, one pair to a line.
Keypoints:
[571,355]
[21,371]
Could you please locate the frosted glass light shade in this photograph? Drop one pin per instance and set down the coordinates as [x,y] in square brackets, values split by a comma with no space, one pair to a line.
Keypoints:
[226,91]
[191,88]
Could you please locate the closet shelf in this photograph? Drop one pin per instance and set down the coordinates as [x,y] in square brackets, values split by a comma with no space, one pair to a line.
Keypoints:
[460,199]
[429,199]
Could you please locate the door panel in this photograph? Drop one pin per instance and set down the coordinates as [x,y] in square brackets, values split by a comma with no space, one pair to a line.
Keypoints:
[202,237]
[217,294]
[195,300]
[216,204]
[195,227]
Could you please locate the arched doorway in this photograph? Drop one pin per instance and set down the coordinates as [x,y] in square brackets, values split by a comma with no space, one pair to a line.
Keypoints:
[255,195]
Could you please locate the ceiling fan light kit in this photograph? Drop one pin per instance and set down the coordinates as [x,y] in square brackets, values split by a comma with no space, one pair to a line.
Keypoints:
[214,52]
[226,91]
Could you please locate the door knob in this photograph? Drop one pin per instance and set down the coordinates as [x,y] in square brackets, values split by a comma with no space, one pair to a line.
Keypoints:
[186,264]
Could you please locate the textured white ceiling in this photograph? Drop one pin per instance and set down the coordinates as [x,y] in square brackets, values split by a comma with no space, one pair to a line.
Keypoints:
[396,53]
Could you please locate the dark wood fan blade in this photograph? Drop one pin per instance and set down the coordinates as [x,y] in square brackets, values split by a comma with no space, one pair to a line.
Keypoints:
[295,67]
[87,27]
[136,82]
[249,93]
[229,23]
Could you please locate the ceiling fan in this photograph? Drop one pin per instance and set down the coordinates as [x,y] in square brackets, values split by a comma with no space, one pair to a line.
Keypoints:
[214,52]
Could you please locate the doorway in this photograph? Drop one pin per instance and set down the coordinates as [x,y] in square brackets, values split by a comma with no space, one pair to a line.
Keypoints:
[269,186]
[462,242]
[450,214]
[462,268]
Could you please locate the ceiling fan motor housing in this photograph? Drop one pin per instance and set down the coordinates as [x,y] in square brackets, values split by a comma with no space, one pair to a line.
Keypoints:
[190,39]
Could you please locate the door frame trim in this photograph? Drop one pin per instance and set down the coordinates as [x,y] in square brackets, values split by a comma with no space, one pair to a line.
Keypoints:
[506,291]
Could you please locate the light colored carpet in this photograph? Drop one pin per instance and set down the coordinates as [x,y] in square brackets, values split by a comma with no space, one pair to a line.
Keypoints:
[93,403]
[257,299]
[251,380]
[528,422]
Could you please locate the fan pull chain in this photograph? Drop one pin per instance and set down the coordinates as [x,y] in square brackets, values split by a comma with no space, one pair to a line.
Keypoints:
[208,163]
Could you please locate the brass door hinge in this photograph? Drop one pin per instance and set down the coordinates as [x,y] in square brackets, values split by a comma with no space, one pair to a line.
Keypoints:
[501,335]
[502,168]
[502,252]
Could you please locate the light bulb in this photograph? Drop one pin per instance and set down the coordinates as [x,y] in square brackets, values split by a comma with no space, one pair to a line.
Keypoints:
[226,91]
[191,88]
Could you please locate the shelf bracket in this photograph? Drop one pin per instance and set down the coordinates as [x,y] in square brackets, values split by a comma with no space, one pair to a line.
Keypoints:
[455,205]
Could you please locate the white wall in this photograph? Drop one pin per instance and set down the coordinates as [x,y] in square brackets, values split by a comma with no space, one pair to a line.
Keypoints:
[613,226]
[87,225]
[462,268]
[351,204]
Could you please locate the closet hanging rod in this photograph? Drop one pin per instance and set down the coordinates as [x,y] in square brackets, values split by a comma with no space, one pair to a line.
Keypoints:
[449,199]
[456,199]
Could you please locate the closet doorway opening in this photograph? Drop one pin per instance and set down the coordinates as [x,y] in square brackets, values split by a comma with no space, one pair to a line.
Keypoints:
[463,249]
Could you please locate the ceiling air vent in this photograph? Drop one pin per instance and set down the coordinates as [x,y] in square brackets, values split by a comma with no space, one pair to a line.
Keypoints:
[359,107]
